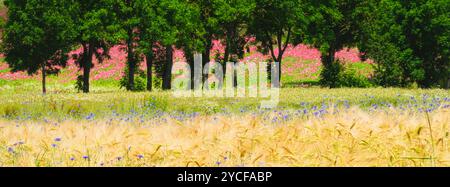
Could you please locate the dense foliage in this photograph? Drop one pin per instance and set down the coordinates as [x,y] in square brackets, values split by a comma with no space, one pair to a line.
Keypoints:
[407,40]
[94,24]
[37,36]
[410,41]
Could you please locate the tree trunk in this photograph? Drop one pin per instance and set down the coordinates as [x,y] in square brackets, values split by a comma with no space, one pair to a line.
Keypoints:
[168,68]
[87,67]
[280,51]
[149,59]
[279,69]
[226,56]
[327,61]
[44,90]
[230,51]
[190,60]
[205,55]
[330,58]
[131,62]
[448,83]
[207,52]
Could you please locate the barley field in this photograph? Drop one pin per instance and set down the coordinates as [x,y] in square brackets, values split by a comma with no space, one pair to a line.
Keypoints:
[310,127]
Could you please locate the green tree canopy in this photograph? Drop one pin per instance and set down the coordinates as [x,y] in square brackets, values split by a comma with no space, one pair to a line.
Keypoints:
[128,20]
[410,42]
[275,22]
[95,26]
[37,35]
[155,30]
[334,24]
[233,18]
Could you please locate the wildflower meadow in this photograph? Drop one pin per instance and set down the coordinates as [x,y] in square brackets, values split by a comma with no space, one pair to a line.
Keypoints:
[91,83]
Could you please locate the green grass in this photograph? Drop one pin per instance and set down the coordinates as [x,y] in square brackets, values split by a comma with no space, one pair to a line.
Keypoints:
[4,70]
[23,100]
[296,79]
[362,68]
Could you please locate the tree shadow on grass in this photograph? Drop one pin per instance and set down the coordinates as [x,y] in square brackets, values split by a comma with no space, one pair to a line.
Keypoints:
[301,84]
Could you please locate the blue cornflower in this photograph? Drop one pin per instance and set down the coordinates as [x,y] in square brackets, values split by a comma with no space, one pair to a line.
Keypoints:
[322,111]
[90,116]
[18,143]
[275,119]
[375,106]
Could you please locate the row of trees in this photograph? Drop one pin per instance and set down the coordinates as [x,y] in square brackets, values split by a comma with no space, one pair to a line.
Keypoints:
[409,40]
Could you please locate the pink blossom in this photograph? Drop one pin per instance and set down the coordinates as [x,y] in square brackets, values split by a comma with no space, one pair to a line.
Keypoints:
[304,62]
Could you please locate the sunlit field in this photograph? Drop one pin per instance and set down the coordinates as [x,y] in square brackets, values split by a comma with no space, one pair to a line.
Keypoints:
[310,127]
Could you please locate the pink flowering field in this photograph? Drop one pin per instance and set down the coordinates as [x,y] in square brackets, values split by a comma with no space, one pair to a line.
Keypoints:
[300,63]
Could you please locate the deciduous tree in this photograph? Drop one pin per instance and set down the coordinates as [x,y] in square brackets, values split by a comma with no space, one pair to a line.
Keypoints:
[37,35]
[410,42]
[274,23]
[95,26]
[334,24]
